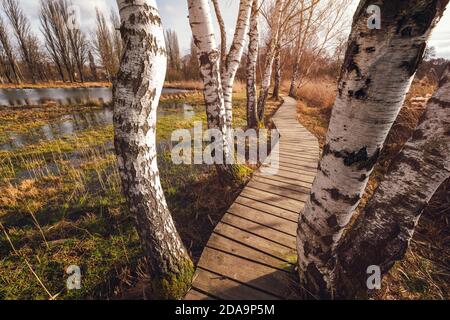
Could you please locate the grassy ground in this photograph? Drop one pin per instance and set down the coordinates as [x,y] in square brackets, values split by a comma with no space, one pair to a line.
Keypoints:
[56,84]
[425,271]
[190,85]
[70,211]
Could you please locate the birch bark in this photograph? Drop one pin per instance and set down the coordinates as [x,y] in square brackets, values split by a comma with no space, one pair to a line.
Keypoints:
[382,233]
[377,73]
[270,55]
[234,58]
[252,58]
[200,19]
[136,96]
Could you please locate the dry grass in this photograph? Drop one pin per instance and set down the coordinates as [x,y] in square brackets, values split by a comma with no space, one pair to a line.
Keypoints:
[184,84]
[56,84]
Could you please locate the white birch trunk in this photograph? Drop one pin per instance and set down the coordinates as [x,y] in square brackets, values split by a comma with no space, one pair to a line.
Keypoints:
[382,233]
[200,20]
[252,59]
[234,58]
[136,96]
[270,55]
[377,73]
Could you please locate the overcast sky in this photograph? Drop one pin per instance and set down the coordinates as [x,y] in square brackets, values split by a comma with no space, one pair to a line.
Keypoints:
[175,16]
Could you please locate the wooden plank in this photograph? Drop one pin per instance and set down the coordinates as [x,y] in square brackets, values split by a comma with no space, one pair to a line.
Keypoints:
[273,199]
[260,230]
[305,188]
[271,221]
[194,294]
[252,274]
[227,289]
[283,192]
[273,248]
[261,206]
[224,243]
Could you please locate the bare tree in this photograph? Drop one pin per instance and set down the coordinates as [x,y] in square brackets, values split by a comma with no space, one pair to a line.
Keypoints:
[251,67]
[377,73]
[92,65]
[21,27]
[46,16]
[54,17]
[173,49]
[6,45]
[78,44]
[270,55]
[104,46]
[136,96]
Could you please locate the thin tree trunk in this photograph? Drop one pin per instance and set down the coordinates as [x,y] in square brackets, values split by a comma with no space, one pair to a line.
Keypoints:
[382,233]
[252,58]
[209,57]
[277,80]
[223,35]
[270,55]
[234,58]
[377,73]
[136,96]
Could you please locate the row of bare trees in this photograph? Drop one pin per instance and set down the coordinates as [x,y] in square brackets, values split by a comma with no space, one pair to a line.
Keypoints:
[65,51]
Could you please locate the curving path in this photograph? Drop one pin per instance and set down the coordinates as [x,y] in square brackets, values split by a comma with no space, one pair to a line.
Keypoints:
[251,254]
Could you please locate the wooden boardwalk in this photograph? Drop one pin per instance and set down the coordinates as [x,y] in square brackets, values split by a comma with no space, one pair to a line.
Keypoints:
[251,253]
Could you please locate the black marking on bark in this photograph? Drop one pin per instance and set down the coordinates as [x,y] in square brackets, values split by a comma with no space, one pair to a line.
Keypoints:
[328,240]
[336,195]
[412,65]
[371,49]
[349,62]
[361,94]
[406,32]
[441,103]
[332,221]
[314,280]
[314,200]
[418,134]
[307,248]
[360,158]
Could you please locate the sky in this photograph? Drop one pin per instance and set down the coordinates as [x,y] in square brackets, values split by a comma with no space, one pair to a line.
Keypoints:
[174,14]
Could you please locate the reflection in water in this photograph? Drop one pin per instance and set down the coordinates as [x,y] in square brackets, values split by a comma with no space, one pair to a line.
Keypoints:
[62,96]
[70,124]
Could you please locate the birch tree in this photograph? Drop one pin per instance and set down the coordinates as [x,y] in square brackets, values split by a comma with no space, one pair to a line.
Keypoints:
[377,73]
[251,67]
[382,233]
[218,87]
[234,57]
[270,56]
[136,96]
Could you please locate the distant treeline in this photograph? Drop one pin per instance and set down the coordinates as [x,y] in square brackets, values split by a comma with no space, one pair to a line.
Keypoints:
[66,53]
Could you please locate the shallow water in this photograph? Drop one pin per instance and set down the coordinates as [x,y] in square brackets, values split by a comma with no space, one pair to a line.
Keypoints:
[69,124]
[63,96]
